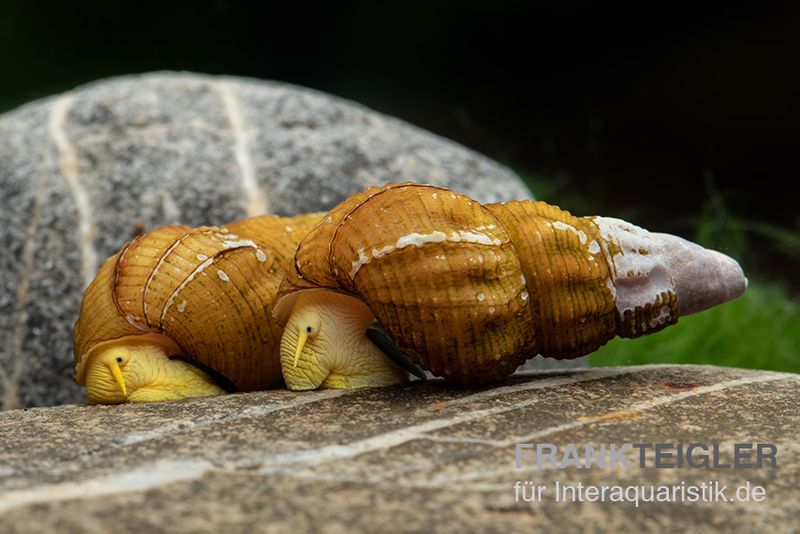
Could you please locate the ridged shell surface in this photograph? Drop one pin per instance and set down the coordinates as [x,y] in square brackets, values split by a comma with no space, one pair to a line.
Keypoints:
[81,173]
[471,291]
[205,293]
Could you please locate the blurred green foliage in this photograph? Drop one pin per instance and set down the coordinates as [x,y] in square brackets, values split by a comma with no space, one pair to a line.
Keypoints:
[760,329]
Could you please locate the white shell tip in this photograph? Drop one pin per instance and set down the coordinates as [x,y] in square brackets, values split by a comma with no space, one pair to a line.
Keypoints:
[703,278]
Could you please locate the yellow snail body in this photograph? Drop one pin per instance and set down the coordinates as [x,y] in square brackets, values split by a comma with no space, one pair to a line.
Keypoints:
[180,310]
[469,292]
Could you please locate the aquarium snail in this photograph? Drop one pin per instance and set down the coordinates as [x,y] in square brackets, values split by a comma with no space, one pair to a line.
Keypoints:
[470,291]
[181,311]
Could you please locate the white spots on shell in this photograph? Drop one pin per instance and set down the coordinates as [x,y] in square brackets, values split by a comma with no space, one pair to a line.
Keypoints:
[416,239]
[594,247]
[289,229]
[182,307]
[664,315]
[522,279]
[378,252]
[558,225]
[473,237]
[362,260]
[201,257]
[492,310]
[260,255]
[441,257]
[134,321]
[223,275]
[481,297]
[199,269]
[235,242]
[329,220]
[434,196]
[524,296]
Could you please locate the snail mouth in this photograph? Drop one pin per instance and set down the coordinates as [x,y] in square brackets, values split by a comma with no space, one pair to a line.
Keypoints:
[219,379]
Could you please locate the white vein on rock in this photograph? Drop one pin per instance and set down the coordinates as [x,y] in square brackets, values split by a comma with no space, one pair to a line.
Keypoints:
[311,457]
[252,411]
[637,407]
[162,473]
[255,201]
[544,383]
[68,166]
[146,477]
[536,436]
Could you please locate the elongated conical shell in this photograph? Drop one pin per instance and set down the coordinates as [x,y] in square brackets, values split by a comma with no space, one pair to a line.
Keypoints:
[204,293]
[471,291]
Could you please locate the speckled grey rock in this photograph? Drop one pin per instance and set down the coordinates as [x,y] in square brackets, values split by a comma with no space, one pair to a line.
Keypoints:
[417,458]
[82,172]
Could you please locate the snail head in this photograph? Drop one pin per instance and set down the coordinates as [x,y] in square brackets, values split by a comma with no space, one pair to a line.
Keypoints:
[325,344]
[132,371]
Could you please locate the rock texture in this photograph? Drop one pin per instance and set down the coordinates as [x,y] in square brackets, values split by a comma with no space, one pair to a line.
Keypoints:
[81,173]
[418,457]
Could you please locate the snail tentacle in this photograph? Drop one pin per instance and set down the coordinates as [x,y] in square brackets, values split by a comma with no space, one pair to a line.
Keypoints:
[335,353]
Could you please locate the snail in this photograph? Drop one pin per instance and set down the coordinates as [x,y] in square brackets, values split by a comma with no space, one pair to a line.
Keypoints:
[470,291]
[183,312]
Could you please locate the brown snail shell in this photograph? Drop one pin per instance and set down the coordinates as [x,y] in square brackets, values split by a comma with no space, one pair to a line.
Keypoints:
[202,293]
[471,291]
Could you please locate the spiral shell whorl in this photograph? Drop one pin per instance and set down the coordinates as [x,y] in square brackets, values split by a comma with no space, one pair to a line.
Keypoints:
[567,277]
[471,291]
[204,293]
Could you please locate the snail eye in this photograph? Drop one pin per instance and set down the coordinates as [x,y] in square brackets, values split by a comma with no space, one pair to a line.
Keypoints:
[119,359]
[309,329]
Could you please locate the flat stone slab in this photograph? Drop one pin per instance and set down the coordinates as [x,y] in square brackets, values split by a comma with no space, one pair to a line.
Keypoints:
[415,457]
